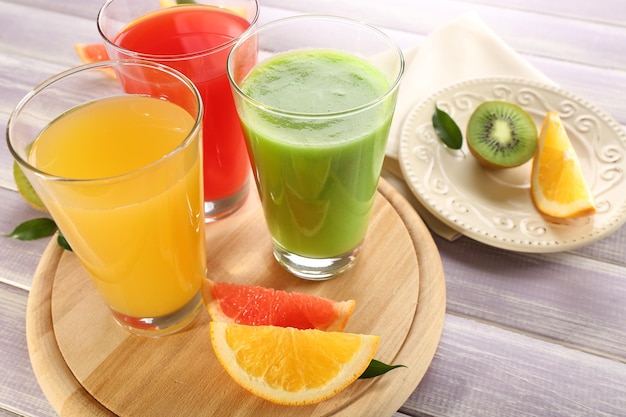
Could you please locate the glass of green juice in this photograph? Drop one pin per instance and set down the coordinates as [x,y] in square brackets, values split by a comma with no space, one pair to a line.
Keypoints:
[315,96]
[121,174]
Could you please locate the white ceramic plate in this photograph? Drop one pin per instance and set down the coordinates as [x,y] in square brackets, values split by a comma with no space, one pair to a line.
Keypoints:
[494,206]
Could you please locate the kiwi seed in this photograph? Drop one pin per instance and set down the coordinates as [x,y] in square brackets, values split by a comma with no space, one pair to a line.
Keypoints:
[501,135]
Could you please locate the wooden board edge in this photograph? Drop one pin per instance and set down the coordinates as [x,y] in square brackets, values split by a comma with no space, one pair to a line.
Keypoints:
[66,395]
[431,309]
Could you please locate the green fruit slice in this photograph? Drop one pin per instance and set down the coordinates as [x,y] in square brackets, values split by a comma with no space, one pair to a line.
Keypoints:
[501,135]
[26,190]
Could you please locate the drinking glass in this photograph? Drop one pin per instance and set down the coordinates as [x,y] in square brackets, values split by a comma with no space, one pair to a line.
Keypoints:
[119,169]
[316,95]
[194,39]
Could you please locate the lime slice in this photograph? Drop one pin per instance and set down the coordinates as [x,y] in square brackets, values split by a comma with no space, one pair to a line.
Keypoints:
[26,190]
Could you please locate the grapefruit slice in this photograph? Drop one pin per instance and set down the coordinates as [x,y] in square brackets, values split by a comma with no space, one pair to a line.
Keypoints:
[291,366]
[257,306]
[93,52]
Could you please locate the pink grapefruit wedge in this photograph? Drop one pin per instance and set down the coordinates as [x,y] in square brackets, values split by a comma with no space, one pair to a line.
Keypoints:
[93,52]
[261,306]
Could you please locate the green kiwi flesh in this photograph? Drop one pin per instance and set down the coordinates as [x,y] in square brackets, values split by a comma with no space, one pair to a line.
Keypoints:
[501,134]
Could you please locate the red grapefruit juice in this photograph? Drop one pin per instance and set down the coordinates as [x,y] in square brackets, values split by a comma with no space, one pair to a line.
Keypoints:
[196,40]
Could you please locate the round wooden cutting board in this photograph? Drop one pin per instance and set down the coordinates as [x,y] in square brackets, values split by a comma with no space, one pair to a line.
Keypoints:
[89,366]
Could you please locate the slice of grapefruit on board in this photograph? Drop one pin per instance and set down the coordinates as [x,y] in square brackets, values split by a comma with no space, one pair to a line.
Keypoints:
[257,306]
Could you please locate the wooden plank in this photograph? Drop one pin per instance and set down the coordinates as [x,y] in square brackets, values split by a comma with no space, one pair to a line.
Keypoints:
[534,377]
[610,12]
[32,36]
[19,391]
[609,249]
[565,298]
[87,9]
[527,32]
[18,259]
[6,160]
[20,74]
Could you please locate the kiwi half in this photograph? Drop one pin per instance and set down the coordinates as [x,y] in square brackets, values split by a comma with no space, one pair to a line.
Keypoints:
[501,135]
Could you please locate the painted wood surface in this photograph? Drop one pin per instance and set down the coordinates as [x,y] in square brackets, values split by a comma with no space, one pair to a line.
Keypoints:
[524,334]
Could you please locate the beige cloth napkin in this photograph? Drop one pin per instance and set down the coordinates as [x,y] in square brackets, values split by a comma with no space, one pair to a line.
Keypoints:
[465,48]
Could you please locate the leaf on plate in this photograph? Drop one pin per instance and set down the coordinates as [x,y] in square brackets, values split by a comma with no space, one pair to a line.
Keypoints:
[447,129]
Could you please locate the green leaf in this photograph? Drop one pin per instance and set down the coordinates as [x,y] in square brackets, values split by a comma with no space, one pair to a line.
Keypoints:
[34,229]
[447,129]
[377,368]
[63,243]
[185,2]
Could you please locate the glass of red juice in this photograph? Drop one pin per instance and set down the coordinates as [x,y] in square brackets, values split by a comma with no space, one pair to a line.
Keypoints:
[195,39]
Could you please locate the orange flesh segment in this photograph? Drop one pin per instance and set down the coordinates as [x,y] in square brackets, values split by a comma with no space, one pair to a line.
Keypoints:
[291,366]
[558,186]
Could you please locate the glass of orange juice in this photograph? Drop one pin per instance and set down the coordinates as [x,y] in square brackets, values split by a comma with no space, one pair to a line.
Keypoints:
[119,170]
[194,39]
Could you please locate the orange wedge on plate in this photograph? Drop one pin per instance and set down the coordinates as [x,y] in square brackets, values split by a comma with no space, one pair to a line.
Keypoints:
[558,186]
[291,366]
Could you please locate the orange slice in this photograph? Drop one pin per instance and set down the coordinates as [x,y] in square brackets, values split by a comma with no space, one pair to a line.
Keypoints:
[93,52]
[255,306]
[291,366]
[558,186]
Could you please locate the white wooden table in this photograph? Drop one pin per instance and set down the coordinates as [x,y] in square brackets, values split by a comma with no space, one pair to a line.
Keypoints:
[524,334]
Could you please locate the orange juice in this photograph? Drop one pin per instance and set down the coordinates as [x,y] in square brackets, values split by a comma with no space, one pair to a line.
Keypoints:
[132,210]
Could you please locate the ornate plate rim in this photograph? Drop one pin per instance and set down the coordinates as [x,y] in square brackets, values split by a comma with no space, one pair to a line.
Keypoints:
[420,149]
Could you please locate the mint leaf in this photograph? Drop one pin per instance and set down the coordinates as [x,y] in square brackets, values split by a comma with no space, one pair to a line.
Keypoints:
[447,129]
[377,368]
[34,229]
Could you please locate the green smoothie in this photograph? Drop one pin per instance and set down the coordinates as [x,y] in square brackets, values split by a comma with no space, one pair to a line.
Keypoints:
[317,161]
